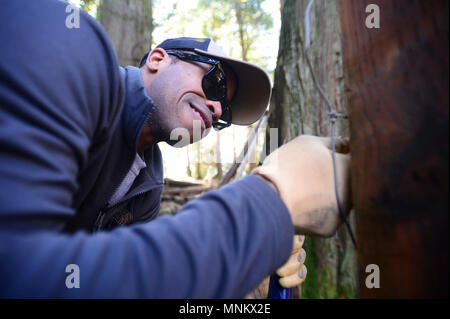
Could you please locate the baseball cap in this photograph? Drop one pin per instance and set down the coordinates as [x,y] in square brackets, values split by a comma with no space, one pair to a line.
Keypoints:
[254,88]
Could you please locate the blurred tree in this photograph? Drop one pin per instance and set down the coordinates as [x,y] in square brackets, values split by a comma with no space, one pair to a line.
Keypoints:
[89,6]
[246,19]
[129,25]
[218,158]
[198,170]
[296,108]
[188,167]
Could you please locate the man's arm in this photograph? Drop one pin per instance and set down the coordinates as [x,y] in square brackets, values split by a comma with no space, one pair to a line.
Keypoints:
[218,246]
[59,91]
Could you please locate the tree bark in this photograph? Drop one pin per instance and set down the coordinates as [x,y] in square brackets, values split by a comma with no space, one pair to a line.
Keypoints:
[397,79]
[188,167]
[237,10]
[198,151]
[296,108]
[129,26]
[219,174]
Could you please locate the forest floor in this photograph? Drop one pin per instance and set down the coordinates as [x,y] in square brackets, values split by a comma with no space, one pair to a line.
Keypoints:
[178,193]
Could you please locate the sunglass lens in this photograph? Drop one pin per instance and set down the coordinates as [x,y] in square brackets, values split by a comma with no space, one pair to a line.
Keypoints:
[214,84]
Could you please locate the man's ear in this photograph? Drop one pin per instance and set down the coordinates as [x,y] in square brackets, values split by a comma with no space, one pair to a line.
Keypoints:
[157,60]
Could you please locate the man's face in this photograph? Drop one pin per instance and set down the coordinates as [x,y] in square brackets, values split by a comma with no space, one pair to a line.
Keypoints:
[176,89]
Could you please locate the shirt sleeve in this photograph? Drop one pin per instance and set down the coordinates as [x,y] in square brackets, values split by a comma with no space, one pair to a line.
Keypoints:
[218,246]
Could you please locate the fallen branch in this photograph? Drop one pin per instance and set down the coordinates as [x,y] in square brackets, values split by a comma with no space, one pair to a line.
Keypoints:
[243,155]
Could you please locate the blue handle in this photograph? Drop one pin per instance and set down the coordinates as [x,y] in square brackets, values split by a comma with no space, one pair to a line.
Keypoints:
[276,291]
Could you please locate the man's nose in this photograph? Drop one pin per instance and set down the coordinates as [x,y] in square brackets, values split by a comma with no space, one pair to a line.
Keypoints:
[216,109]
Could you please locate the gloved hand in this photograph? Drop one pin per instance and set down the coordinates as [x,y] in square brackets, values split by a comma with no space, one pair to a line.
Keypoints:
[293,272]
[302,172]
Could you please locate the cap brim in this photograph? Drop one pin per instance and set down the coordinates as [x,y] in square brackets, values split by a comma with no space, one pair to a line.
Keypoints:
[254,90]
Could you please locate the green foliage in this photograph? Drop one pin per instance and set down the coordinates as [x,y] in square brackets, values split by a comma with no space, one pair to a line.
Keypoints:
[240,22]
[321,281]
[348,286]
[88,5]
[310,287]
[91,6]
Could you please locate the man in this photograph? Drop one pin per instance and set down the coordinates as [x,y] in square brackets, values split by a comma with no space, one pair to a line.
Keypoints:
[79,158]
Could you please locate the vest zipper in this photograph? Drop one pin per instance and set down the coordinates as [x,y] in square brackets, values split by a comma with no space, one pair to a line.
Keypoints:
[99,221]
[101,215]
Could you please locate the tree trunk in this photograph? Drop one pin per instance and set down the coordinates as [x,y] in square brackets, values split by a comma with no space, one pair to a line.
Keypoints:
[188,167]
[237,10]
[397,79]
[199,159]
[129,26]
[219,174]
[296,108]
[234,142]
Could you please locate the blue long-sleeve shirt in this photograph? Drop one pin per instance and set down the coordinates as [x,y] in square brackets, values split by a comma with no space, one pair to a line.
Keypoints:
[63,111]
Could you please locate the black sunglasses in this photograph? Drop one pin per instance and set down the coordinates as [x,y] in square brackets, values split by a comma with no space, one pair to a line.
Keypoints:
[214,85]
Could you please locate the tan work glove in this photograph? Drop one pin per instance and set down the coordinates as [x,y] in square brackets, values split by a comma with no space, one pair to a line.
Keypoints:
[293,272]
[302,172]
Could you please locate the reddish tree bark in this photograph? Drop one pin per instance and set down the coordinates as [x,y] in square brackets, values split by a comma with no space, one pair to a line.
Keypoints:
[397,88]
